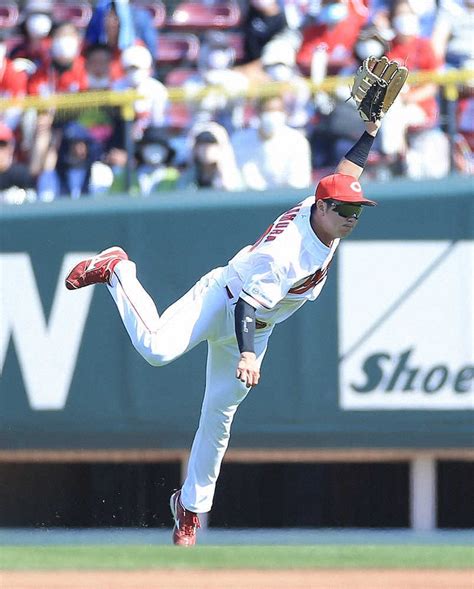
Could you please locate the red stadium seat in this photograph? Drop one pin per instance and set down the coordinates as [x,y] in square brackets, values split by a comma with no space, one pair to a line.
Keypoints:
[196,15]
[8,15]
[157,11]
[77,13]
[177,47]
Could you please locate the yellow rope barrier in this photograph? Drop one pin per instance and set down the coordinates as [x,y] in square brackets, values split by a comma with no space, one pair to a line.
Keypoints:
[125,99]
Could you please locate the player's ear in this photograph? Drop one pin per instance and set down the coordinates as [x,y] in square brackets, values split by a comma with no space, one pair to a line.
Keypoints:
[321,206]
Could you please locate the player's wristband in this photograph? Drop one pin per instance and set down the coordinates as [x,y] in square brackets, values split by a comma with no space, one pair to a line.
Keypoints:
[359,153]
[245,326]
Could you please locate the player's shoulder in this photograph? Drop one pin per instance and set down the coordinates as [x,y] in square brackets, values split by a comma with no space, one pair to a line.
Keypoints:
[305,205]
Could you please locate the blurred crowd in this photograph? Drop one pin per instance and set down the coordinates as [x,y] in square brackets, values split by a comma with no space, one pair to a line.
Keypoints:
[246,117]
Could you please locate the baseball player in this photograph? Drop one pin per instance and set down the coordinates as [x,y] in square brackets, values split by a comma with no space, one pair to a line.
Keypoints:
[235,308]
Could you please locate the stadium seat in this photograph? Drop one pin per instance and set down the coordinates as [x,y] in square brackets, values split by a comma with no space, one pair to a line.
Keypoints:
[8,15]
[77,13]
[196,15]
[177,47]
[157,11]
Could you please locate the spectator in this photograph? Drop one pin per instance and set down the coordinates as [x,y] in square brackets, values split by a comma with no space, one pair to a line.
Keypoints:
[154,170]
[64,69]
[35,28]
[338,123]
[13,83]
[150,110]
[452,36]
[225,103]
[416,110]
[16,182]
[113,24]
[274,155]
[212,162]
[98,66]
[296,12]
[264,20]
[279,64]
[63,72]
[99,122]
[144,29]
[329,38]
[78,171]
[426,10]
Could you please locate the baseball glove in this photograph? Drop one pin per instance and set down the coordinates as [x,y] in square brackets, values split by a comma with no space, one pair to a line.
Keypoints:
[376,85]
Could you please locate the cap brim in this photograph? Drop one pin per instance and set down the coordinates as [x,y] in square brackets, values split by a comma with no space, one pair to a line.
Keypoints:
[353,201]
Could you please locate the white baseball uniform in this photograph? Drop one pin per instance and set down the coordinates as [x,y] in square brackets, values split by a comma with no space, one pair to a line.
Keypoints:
[286,267]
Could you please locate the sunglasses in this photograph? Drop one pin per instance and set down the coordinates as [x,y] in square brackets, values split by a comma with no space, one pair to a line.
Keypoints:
[346,210]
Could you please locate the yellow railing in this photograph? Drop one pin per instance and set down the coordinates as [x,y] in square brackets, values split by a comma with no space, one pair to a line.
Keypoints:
[124,100]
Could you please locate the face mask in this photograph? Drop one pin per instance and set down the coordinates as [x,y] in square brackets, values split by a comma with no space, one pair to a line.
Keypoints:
[218,59]
[154,154]
[136,76]
[96,83]
[38,25]
[406,24]
[364,49]
[208,154]
[280,72]
[65,47]
[331,14]
[272,121]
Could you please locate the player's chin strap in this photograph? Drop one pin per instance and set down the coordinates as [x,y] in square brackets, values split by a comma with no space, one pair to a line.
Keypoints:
[245,326]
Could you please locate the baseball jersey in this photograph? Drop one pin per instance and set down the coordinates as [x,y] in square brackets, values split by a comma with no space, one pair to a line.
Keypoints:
[286,267]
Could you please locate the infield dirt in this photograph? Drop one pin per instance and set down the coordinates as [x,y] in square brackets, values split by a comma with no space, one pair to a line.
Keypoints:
[238,579]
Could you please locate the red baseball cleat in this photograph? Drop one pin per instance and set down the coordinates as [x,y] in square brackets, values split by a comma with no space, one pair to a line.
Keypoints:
[186,522]
[95,270]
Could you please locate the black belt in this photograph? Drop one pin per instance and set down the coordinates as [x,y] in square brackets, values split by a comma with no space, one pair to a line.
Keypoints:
[258,324]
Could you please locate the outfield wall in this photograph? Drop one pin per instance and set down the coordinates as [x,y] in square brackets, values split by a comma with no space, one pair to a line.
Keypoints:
[384,359]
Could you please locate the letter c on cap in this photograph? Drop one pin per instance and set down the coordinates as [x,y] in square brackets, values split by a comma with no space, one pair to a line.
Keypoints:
[356,187]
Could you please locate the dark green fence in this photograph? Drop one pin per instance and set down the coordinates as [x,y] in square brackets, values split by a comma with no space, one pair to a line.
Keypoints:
[384,358]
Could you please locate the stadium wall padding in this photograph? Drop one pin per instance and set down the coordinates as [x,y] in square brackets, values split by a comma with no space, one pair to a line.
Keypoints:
[384,358]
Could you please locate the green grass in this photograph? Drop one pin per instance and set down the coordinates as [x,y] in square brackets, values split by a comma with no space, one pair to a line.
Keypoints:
[236,557]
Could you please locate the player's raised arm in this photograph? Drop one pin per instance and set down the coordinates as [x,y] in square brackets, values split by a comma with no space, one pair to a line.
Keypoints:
[376,86]
[354,161]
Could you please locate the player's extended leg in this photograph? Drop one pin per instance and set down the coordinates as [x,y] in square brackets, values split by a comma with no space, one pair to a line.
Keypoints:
[196,316]
[201,313]
[224,393]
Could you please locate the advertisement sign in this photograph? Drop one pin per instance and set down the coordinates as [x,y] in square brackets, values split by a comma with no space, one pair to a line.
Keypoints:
[406,329]
[46,347]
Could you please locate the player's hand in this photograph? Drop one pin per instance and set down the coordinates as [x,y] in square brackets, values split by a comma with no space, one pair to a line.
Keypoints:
[248,370]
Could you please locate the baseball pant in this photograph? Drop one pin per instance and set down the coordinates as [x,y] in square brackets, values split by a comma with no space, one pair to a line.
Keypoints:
[205,312]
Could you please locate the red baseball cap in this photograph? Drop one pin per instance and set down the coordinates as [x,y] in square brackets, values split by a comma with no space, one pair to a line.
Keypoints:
[6,134]
[342,187]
